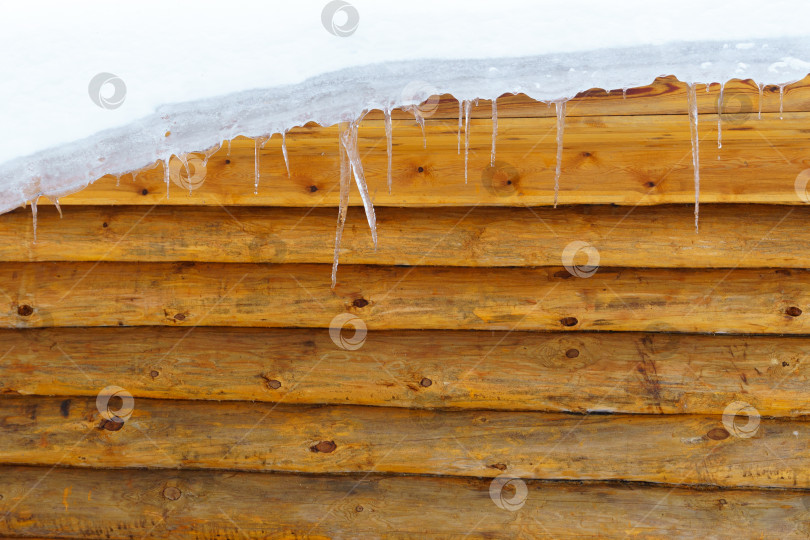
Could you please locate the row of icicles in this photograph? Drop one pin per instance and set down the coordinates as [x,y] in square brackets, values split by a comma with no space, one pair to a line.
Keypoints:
[351,166]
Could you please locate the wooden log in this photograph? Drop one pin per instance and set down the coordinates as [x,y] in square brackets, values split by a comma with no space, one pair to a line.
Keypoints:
[624,160]
[630,373]
[741,449]
[731,236]
[190,505]
[217,294]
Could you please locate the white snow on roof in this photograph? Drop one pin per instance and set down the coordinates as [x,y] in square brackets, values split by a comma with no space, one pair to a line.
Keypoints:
[207,71]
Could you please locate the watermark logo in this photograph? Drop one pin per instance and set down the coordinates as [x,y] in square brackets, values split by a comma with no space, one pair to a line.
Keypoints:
[735,108]
[189,175]
[500,488]
[580,270]
[423,96]
[800,185]
[348,343]
[340,18]
[115,405]
[108,91]
[741,430]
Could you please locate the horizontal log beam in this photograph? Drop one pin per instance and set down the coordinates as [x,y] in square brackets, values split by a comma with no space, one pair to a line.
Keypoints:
[189,505]
[624,160]
[266,295]
[733,451]
[620,372]
[731,236]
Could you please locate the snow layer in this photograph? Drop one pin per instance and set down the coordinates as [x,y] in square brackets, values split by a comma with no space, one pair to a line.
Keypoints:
[206,73]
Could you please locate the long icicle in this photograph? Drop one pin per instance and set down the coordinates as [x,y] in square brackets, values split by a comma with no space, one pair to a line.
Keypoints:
[256,166]
[58,208]
[693,129]
[720,119]
[350,142]
[467,106]
[284,152]
[761,87]
[560,107]
[343,207]
[494,129]
[389,143]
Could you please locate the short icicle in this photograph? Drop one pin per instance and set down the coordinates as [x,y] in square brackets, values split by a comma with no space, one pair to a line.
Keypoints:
[560,107]
[421,121]
[781,99]
[460,114]
[229,148]
[720,118]
[389,144]
[343,207]
[350,143]
[761,87]
[693,129]
[284,152]
[166,173]
[467,106]
[494,129]
[58,208]
[34,216]
[624,93]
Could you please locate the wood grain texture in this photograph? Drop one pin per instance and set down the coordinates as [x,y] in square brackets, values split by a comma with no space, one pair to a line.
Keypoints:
[217,294]
[630,373]
[711,450]
[731,236]
[624,160]
[229,505]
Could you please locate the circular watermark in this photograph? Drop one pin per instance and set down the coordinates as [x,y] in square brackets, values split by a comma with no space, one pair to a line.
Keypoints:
[340,18]
[423,97]
[348,343]
[737,409]
[735,108]
[107,410]
[189,175]
[500,179]
[108,91]
[800,185]
[580,270]
[499,492]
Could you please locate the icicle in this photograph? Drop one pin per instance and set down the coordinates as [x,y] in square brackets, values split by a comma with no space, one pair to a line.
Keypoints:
[624,93]
[58,208]
[560,106]
[494,129]
[350,142]
[693,129]
[460,114]
[256,166]
[166,174]
[117,181]
[389,143]
[210,153]
[781,99]
[229,147]
[467,106]
[421,121]
[761,87]
[284,152]
[134,175]
[34,215]
[720,119]
[343,206]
